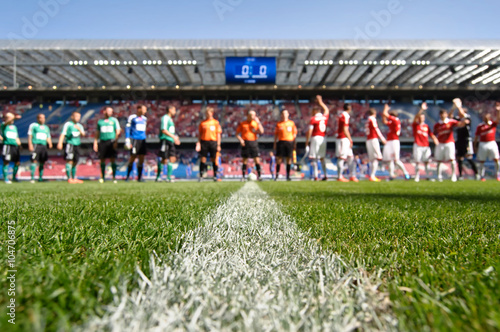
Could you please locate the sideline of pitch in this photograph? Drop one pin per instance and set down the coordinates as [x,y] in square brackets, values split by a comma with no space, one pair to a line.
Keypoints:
[249,268]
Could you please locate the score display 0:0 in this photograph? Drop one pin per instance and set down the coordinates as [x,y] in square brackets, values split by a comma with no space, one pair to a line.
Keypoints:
[245,71]
[250,70]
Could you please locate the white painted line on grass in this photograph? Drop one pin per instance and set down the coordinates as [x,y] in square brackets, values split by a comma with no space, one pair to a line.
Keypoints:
[249,268]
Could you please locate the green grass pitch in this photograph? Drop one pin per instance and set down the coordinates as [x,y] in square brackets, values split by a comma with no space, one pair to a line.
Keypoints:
[76,241]
[436,245]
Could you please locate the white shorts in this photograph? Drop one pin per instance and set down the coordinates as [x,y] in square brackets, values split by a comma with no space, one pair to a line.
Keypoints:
[445,152]
[343,149]
[318,147]
[421,154]
[487,151]
[373,149]
[391,150]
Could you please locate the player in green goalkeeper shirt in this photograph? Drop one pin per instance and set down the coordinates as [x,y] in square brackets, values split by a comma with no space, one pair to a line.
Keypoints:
[71,133]
[106,141]
[38,140]
[168,140]
[11,146]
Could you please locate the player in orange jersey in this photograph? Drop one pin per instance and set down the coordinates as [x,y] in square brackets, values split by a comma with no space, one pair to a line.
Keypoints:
[284,140]
[246,133]
[209,141]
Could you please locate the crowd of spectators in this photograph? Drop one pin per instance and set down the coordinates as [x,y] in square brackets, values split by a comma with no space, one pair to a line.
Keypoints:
[230,114]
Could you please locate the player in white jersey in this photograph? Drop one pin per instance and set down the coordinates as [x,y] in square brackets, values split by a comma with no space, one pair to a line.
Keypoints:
[316,136]
[373,135]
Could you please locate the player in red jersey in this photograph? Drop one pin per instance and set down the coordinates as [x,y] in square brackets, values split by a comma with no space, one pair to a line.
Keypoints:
[316,136]
[445,150]
[485,143]
[421,148]
[344,146]
[373,135]
[392,148]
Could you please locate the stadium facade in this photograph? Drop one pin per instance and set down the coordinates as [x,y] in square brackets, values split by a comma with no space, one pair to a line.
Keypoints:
[83,69]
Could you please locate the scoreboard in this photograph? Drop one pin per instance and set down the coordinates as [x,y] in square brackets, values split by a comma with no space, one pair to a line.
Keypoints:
[250,70]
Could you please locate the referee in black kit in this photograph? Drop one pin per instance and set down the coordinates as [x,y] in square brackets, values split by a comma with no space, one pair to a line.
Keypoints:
[463,144]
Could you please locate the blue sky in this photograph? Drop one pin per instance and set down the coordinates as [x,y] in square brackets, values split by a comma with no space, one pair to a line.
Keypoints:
[250,19]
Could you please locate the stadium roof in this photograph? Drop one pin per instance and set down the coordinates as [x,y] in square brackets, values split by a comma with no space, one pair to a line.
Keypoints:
[329,64]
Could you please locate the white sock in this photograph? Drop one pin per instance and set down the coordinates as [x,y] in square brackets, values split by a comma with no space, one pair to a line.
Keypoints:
[315,168]
[480,169]
[391,169]
[427,169]
[440,170]
[374,168]
[497,167]
[352,166]
[402,167]
[341,167]
[323,166]
[453,168]
[417,171]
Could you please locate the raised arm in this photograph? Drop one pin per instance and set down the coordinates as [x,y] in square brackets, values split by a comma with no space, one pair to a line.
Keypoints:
[457,103]
[423,108]
[326,110]
[385,113]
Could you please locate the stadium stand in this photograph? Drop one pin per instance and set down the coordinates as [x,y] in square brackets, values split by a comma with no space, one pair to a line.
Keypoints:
[230,115]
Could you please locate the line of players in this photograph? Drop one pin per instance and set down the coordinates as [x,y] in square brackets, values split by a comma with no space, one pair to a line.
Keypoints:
[209,142]
[442,136]
[105,144]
